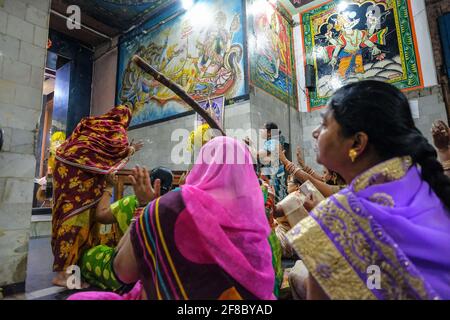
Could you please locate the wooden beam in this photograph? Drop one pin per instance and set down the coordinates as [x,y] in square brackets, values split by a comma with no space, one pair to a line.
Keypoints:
[178,91]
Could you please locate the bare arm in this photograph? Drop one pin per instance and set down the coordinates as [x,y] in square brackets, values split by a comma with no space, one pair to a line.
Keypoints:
[103,213]
[306,168]
[302,176]
[125,264]
[324,188]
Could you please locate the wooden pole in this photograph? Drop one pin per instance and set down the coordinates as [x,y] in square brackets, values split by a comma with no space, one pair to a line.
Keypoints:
[178,91]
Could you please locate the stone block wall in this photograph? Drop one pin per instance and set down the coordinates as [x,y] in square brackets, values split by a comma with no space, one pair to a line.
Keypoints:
[23,42]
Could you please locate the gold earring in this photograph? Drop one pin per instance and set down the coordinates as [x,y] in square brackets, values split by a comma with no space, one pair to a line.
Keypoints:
[353,154]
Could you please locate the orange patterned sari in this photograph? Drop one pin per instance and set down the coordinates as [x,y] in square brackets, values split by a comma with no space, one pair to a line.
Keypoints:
[97,147]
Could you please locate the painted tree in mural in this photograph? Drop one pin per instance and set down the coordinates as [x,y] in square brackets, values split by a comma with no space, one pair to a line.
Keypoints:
[353,41]
[205,61]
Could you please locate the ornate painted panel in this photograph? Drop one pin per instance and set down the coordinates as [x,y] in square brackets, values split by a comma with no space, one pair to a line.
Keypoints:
[360,40]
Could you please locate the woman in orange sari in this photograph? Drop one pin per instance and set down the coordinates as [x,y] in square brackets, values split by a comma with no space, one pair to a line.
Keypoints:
[97,147]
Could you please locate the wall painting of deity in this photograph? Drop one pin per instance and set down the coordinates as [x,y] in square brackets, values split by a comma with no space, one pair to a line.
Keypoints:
[271,50]
[215,107]
[360,40]
[202,50]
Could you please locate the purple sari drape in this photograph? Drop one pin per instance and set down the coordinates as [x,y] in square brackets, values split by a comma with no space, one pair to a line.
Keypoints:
[388,218]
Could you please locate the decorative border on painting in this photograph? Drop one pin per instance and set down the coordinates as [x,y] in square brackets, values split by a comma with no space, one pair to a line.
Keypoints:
[228,102]
[412,29]
[289,99]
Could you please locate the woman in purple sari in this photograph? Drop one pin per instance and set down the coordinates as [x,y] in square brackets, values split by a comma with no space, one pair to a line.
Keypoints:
[386,236]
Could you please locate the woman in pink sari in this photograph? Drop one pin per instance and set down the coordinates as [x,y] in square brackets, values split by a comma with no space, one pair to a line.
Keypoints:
[387,235]
[207,240]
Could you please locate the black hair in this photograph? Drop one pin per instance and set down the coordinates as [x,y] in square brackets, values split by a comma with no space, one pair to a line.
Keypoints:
[166,177]
[383,113]
[270,126]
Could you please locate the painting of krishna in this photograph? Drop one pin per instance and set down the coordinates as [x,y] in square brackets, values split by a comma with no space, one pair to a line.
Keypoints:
[201,50]
[360,40]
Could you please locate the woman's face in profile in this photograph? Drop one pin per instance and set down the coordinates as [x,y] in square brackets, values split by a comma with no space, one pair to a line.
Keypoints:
[332,149]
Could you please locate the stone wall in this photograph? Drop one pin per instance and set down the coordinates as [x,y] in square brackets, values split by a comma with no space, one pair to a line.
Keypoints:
[23,40]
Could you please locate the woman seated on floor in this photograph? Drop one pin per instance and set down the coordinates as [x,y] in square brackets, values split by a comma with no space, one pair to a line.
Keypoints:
[207,240]
[386,236]
[96,263]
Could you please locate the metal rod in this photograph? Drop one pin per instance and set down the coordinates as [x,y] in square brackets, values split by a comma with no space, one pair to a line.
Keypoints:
[178,91]
[81,25]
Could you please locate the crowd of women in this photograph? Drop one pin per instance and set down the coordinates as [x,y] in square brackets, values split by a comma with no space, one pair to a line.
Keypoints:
[382,232]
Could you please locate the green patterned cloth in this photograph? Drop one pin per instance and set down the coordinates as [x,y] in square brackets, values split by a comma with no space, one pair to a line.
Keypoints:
[97,263]
[97,268]
[123,210]
[275,244]
[276,261]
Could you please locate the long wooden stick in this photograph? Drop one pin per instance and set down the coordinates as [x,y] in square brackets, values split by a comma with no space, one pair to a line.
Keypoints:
[178,91]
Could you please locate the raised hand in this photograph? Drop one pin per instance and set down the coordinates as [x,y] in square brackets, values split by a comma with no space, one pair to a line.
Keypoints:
[441,135]
[135,147]
[142,185]
[300,159]
[282,154]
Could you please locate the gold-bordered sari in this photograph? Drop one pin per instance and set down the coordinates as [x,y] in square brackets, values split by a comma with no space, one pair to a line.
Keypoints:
[341,242]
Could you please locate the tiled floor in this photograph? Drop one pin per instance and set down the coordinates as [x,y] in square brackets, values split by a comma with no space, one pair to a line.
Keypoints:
[39,274]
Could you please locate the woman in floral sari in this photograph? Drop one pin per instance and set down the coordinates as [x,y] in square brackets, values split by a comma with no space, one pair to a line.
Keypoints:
[97,147]
[207,240]
[387,235]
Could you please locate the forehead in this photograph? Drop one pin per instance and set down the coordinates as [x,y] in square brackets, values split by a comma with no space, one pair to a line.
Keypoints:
[327,114]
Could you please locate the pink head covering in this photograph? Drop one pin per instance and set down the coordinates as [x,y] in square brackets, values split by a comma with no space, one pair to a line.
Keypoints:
[224,221]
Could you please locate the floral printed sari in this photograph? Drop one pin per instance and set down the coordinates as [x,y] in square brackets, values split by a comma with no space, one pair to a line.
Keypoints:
[98,146]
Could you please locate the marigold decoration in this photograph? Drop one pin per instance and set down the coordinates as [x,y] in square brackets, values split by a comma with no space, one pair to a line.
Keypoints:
[202,133]
[56,140]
